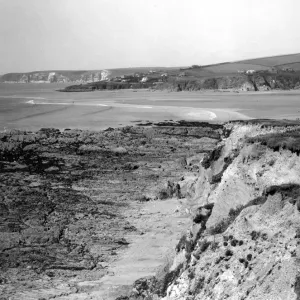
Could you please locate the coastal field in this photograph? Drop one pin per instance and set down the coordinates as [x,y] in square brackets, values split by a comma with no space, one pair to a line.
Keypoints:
[33,106]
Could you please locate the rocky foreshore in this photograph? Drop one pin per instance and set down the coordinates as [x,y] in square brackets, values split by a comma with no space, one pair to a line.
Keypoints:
[64,195]
[83,211]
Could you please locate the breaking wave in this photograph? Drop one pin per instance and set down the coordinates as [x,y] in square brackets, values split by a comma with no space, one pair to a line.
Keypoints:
[201,114]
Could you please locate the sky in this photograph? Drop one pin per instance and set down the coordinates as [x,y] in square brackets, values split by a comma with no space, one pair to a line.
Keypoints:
[99,34]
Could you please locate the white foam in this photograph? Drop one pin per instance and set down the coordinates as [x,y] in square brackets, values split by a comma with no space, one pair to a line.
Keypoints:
[212,115]
[141,106]
[30,102]
[203,113]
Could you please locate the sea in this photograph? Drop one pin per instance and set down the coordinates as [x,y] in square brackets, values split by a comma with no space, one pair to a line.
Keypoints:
[34,106]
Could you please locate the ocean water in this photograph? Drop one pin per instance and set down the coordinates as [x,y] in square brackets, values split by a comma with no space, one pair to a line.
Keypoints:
[32,106]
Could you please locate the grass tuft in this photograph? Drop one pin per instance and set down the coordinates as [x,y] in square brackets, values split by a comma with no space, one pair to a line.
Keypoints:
[288,141]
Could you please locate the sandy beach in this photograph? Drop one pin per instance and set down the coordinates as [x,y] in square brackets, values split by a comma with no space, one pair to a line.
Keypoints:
[39,105]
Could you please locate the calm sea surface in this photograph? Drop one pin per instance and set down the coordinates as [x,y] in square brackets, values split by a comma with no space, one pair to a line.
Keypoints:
[32,106]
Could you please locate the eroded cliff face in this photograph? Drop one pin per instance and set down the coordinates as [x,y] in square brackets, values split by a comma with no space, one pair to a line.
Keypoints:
[56,76]
[236,82]
[244,241]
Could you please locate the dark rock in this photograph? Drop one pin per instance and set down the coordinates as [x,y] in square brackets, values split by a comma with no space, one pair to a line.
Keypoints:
[228,252]
[122,241]
[202,214]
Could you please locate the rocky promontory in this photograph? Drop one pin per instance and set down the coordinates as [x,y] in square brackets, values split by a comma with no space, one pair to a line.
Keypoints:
[258,81]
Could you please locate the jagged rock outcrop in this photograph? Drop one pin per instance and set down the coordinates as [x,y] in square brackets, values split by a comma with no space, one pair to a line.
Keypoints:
[52,77]
[105,74]
[63,197]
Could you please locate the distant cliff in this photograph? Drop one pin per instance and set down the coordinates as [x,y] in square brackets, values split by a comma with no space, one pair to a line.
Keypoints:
[260,81]
[226,76]
[56,76]
[239,82]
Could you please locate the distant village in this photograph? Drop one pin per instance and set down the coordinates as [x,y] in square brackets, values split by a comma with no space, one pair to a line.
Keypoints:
[272,70]
[139,77]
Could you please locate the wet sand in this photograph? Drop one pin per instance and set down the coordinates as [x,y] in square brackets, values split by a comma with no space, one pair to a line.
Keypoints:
[32,107]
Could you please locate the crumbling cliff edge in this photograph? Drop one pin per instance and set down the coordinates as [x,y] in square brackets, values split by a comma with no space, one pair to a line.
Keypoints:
[244,241]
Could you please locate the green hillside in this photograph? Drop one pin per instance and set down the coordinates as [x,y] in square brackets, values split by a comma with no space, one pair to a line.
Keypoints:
[235,67]
[295,66]
[260,74]
[266,64]
[274,61]
[279,64]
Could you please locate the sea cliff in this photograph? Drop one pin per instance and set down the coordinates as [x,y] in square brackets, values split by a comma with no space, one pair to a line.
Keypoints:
[56,76]
[244,241]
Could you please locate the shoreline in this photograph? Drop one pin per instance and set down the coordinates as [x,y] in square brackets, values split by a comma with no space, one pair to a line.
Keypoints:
[101,110]
[187,113]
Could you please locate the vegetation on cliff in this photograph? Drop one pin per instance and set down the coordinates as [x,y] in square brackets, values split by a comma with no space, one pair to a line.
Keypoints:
[276,141]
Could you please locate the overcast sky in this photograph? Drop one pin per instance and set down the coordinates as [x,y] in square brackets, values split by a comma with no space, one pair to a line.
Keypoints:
[97,34]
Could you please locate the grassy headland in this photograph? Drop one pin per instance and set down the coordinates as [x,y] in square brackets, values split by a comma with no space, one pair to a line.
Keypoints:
[278,72]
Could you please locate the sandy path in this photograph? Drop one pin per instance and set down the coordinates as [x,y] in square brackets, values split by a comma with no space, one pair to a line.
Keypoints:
[160,225]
